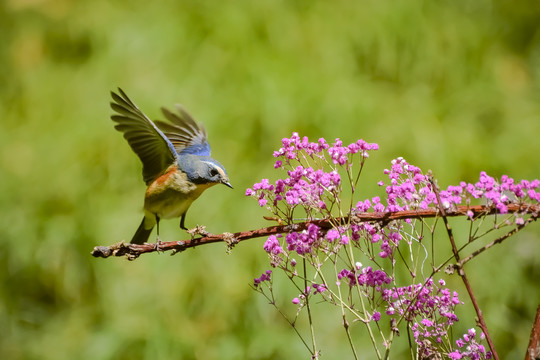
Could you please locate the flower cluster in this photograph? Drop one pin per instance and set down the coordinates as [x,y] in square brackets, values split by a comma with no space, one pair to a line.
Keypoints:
[274,249]
[266,276]
[428,309]
[272,245]
[314,239]
[303,186]
[296,148]
[410,189]
[313,189]
[313,289]
[303,242]
[366,277]
[388,238]
[500,194]
[470,348]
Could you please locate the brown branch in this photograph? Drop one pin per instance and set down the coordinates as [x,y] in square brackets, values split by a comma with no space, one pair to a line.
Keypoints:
[533,351]
[132,251]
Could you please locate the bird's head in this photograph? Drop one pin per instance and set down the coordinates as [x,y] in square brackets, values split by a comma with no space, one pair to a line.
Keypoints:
[203,170]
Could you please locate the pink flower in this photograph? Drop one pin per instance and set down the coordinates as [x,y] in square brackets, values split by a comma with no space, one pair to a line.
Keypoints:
[332,235]
[454,355]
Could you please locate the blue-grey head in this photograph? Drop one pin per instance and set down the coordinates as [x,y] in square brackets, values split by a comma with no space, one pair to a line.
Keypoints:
[203,170]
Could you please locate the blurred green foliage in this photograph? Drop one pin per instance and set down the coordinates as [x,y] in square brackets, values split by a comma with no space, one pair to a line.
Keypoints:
[453,86]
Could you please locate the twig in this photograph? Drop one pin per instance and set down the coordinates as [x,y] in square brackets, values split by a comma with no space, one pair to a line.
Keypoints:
[494,242]
[132,251]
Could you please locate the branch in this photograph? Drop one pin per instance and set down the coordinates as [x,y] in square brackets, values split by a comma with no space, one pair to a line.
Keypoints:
[533,351]
[133,251]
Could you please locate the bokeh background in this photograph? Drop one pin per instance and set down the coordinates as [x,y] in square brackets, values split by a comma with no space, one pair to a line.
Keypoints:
[452,86]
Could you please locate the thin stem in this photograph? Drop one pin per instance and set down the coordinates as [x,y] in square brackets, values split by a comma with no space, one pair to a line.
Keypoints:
[388,345]
[461,271]
[361,297]
[495,242]
[370,332]
[272,301]
[315,352]
[345,322]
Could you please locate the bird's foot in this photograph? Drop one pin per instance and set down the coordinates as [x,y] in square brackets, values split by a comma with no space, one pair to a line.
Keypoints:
[157,244]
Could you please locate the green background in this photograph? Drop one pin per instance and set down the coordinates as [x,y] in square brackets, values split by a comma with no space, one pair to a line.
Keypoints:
[452,86]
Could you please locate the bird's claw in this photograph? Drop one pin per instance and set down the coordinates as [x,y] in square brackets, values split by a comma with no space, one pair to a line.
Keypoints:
[157,245]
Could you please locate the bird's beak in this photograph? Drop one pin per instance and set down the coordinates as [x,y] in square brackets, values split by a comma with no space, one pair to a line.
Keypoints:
[226,183]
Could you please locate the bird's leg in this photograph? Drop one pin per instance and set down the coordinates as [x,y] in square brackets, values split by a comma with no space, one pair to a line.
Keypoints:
[158,242]
[183,227]
[182,222]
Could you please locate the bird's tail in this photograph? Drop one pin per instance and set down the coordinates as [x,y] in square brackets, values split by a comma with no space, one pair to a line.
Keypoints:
[142,234]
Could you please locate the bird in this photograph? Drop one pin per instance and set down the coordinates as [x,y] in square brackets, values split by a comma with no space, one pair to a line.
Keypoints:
[176,163]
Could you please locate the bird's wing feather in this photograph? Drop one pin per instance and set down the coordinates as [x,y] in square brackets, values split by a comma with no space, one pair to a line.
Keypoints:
[185,134]
[156,152]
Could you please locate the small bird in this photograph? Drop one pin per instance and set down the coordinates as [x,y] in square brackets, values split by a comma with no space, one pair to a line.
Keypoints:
[177,166]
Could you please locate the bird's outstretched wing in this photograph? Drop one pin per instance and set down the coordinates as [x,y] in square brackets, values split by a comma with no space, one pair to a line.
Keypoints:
[185,134]
[156,152]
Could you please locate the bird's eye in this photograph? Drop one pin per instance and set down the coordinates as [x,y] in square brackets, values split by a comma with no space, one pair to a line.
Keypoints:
[213,172]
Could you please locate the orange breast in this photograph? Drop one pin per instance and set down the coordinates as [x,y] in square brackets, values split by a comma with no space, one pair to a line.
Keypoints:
[163,178]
